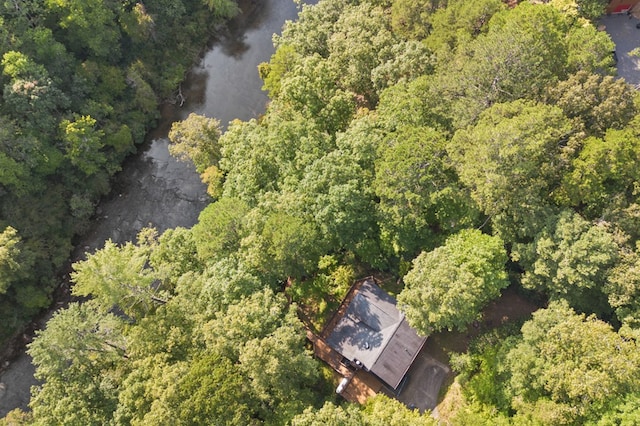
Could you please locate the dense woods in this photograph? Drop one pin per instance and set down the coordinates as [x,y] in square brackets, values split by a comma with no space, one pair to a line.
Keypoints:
[81,82]
[460,147]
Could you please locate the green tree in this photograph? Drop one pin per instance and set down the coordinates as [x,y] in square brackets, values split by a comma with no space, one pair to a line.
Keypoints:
[449,286]
[361,40]
[414,104]
[522,53]
[330,415]
[104,85]
[196,139]
[211,392]
[483,375]
[145,98]
[408,61]
[336,192]
[219,229]
[74,357]
[12,174]
[570,259]
[626,413]
[412,19]
[281,371]
[174,255]
[474,414]
[591,9]
[382,410]
[248,164]
[600,102]
[220,285]
[31,96]
[589,50]
[420,198]
[39,43]
[512,159]
[24,157]
[312,90]
[87,26]
[118,277]
[458,22]
[338,46]
[148,394]
[310,33]
[14,261]
[252,317]
[623,288]
[17,417]
[378,411]
[223,8]
[83,143]
[282,62]
[568,367]
[283,246]
[603,173]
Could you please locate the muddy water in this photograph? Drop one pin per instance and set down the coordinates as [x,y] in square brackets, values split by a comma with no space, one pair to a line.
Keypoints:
[156,190]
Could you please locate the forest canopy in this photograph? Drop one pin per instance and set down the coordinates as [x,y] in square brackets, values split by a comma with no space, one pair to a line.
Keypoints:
[81,83]
[448,145]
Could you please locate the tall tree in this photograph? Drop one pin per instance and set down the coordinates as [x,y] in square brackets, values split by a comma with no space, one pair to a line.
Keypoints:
[420,199]
[570,259]
[336,192]
[118,277]
[83,143]
[329,414]
[31,96]
[512,159]
[600,102]
[220,229]
[74,357]
[15,261]
[196,139]
[281,370]
[87,26]
[378,411]
[459,22]
[283,246]
[603,175]
[623,289]
[522,53]
[569,367]
[248,164]
[448,287]
[412,19]
[361,40]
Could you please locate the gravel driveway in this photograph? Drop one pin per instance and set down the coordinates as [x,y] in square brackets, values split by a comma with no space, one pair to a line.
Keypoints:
[622,30]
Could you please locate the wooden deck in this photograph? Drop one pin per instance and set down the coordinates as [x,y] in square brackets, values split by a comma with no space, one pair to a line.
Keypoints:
[361,384]
[324,352]
[326,331]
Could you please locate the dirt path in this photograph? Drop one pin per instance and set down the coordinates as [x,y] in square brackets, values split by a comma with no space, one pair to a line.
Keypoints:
[508,308]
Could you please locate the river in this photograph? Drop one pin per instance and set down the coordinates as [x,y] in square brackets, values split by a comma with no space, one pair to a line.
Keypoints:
[153,188]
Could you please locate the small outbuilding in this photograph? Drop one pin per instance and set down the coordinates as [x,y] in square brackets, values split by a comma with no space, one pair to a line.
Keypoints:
[621,6]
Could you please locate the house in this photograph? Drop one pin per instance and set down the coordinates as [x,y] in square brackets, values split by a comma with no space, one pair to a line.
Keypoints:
[374,335]
[369,343]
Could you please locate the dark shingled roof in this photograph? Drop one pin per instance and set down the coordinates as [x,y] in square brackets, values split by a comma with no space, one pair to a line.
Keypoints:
[374,332]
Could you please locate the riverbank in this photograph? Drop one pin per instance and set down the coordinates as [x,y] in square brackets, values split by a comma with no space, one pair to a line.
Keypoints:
[154,189]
